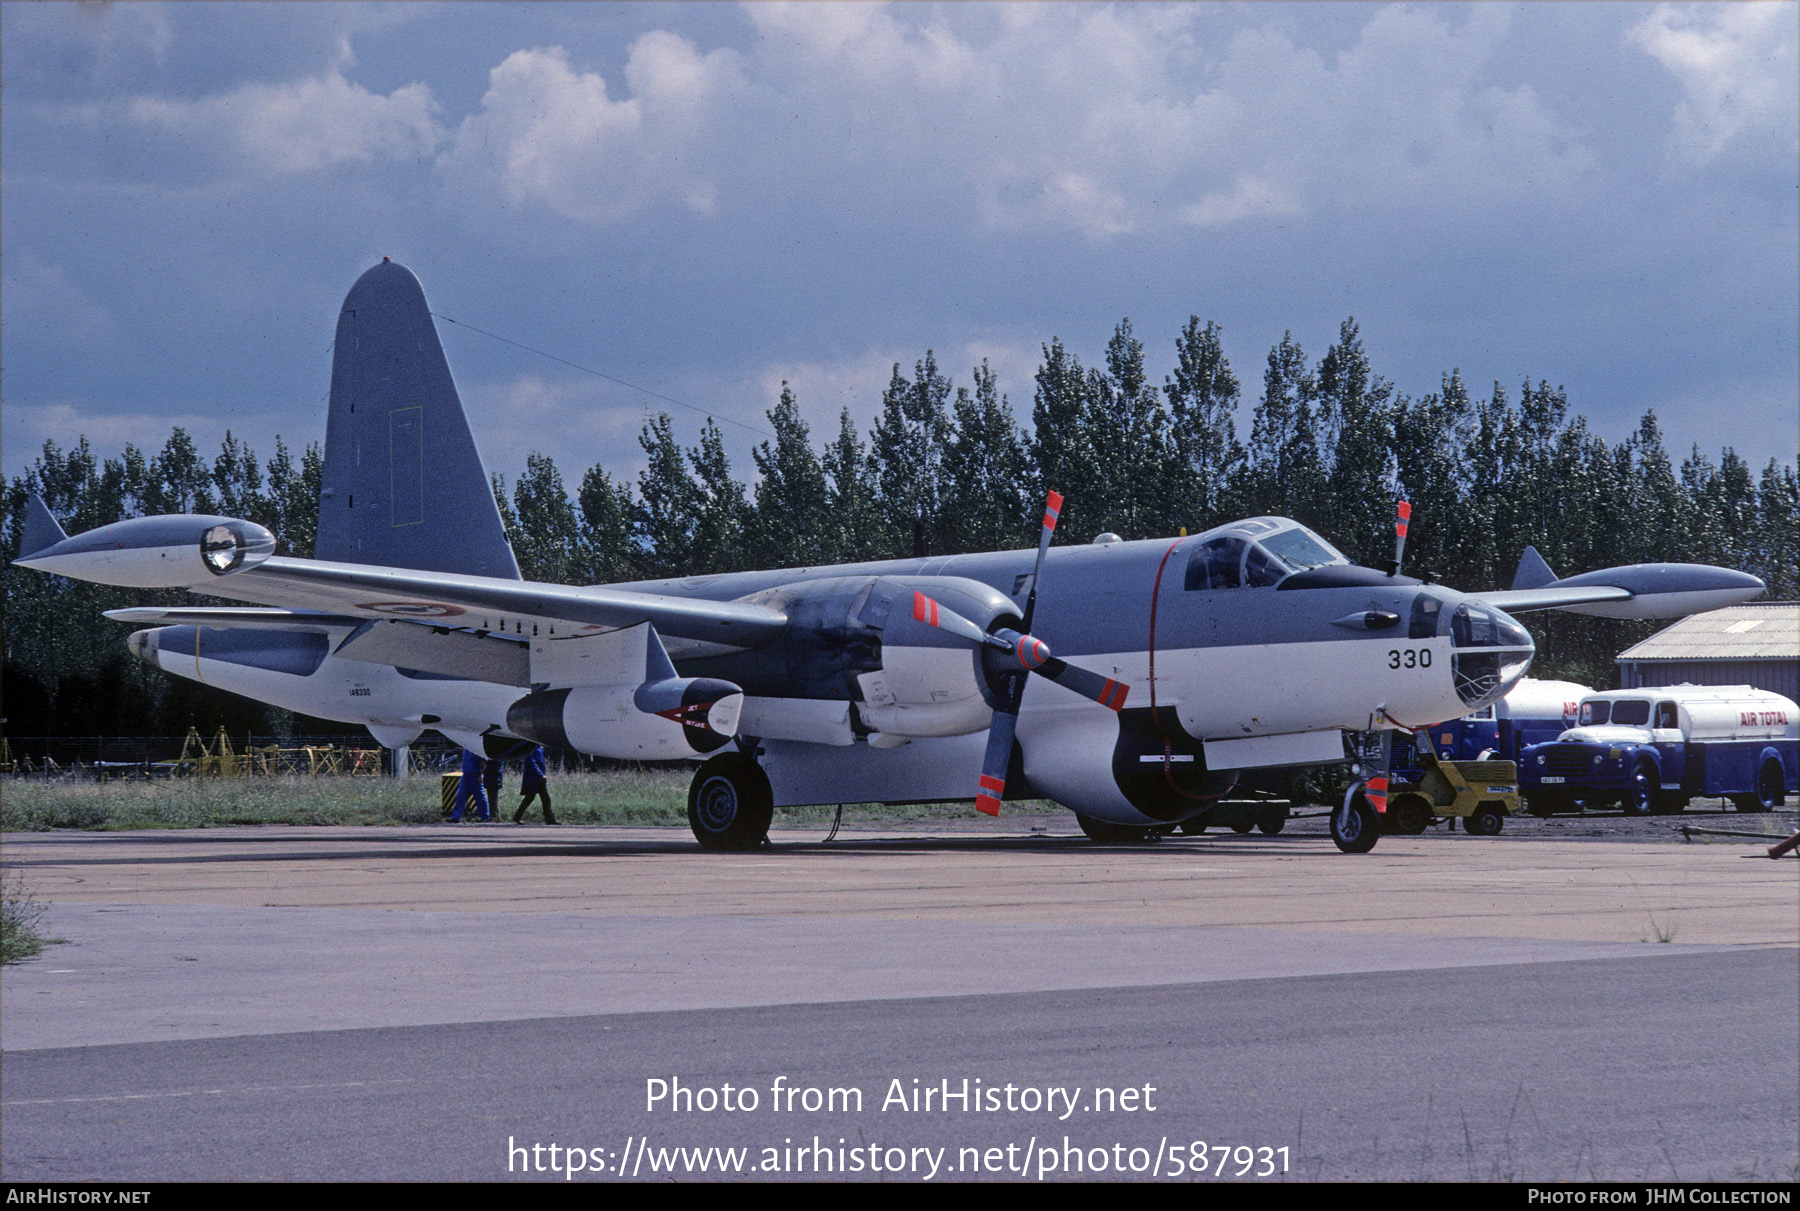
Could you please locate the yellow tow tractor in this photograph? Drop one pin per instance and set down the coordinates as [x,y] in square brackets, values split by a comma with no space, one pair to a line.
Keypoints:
[1482,793]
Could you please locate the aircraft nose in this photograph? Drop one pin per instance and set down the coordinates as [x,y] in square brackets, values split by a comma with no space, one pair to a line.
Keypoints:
[143,645]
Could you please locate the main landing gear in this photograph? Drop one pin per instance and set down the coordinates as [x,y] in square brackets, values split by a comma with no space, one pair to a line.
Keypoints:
[730,803]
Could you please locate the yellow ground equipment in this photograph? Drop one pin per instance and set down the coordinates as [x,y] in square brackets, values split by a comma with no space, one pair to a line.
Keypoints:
[1482,793]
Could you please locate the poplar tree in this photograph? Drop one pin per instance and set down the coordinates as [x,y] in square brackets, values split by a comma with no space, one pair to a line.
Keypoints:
[791,527]
[1203,398]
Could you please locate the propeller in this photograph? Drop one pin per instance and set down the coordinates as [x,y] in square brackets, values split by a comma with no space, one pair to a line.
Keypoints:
[1401,521]
[1026,654]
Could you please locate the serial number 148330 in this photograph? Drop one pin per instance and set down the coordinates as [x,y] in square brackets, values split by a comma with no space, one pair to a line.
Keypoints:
[1409,658]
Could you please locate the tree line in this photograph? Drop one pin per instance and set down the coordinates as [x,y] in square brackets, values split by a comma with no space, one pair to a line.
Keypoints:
[949,468]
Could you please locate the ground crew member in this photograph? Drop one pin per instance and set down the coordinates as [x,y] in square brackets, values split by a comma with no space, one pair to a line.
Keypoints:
[532,784]
[469,791]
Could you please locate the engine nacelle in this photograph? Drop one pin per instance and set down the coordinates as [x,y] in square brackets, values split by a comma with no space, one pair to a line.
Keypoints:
[184,550]
[854,639]
[657,721]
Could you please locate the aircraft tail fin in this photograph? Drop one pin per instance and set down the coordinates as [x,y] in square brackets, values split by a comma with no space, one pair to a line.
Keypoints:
[403,485]
[42,531]
[1533,572]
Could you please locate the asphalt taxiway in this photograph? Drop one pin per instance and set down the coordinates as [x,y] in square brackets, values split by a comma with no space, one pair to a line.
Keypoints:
[403,1003]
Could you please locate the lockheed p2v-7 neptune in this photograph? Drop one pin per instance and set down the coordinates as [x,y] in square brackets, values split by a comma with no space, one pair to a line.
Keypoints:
[1131,682]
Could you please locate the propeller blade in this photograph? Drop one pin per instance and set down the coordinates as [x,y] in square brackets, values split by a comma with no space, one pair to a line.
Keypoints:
[1375,789]
[1104,690]
[1052,509]
[994,762]
[942,617]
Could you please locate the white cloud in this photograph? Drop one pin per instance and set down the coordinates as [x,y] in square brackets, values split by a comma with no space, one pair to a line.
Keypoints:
[1736,67]
[1104,121]
[302,125]
[548,133]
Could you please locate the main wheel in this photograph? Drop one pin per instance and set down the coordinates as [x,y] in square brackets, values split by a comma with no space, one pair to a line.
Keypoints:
[1194,827]
[1106,830]
[1487,821]
[1243,826]
[730,803]
[1769,790]
[1355,826]
[1641,797]
[1272,820]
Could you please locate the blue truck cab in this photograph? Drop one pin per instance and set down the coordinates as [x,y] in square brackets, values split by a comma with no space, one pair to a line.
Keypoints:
[1653,749]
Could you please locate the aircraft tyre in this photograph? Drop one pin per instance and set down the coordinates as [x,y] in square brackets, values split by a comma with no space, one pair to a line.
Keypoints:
[1355,826]
[1272,821]
[1487,821]
[1105,830]
[1642,796]
[1194,827]
[1769,791]
[730,803]
[1243,826]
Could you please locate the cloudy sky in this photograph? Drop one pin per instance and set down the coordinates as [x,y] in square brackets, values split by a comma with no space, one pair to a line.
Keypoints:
[706,200]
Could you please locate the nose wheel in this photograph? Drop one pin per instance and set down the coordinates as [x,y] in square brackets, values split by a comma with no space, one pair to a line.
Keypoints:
[1355,827]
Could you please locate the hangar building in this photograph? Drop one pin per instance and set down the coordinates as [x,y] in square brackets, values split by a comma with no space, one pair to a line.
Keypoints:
[1754,644]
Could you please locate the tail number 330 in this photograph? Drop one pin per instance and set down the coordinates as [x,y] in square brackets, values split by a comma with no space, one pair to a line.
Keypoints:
[1409,658]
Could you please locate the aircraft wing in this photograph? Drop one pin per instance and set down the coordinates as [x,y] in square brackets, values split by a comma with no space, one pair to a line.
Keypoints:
[228,616]
[1519,601]
[361,592]
[1639,590]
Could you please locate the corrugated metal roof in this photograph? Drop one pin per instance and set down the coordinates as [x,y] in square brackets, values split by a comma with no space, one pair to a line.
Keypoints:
[1763,630]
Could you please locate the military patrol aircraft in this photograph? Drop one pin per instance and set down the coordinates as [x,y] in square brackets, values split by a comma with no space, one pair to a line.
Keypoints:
[1131,682]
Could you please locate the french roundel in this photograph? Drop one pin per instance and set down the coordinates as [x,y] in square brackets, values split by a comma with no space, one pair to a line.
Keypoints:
[412,609]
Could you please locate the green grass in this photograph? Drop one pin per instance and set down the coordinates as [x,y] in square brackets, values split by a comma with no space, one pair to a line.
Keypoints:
[653,796]
[20,914]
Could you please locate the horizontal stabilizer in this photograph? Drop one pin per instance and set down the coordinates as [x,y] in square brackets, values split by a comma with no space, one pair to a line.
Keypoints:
[42,531]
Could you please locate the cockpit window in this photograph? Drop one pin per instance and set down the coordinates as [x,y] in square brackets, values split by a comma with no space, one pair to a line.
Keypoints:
[1300,550]
[1594,713]
[1632,712]
[1215,564]
[1262,569]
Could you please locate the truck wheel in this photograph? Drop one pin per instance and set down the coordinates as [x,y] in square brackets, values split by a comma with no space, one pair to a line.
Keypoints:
[1355,826]
[1769,791]
[1548,803]
[1486,822]
[730,803]
[1408,815]
[1641,797]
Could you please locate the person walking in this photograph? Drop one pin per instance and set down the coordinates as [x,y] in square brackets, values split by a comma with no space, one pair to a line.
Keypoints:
[533,785]
[470,793]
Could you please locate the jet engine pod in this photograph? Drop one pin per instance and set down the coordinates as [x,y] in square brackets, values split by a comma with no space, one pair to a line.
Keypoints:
[181,551]
[658,721]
